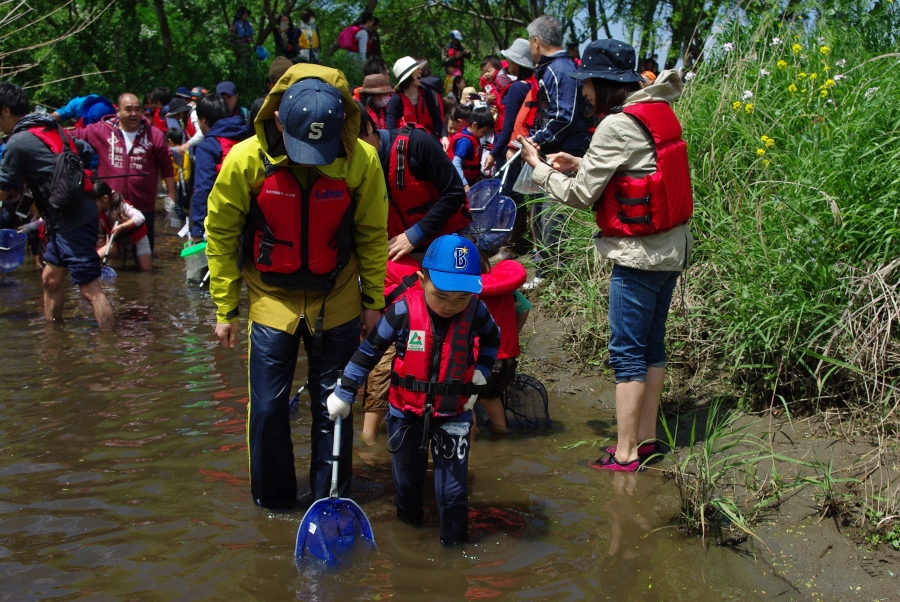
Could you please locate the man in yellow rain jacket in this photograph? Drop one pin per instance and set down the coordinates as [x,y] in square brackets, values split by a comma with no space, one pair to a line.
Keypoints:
[299,213]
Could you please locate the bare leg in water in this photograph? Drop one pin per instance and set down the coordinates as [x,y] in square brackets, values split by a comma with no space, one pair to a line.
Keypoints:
[637,405]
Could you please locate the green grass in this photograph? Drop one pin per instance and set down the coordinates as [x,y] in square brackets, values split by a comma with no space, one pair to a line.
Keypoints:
[792,299]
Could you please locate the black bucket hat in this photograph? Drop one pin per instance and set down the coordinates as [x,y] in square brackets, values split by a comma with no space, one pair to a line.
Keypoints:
[608,59]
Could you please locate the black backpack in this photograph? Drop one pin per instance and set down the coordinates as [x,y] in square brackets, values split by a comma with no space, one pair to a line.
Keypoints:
[65,189]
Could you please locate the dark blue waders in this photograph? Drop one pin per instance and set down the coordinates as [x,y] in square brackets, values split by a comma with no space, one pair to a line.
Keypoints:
[449,442]
[273,358]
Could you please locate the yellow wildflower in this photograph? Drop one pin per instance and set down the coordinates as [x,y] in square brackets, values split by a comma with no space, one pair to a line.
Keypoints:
[803,90]
[826,68]
[825,50]
[748,107]
[829,83]
[796,48]
[736,105]
[760,152]
[766,162]
[823,93]
[769,142]
[813,75]
[792,88]
[782,64]
[801,75]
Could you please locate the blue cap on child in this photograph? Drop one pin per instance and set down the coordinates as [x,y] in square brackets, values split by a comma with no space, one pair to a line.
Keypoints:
[454,265]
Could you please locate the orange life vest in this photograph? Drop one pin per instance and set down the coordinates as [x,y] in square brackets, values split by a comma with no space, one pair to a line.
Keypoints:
[525,118]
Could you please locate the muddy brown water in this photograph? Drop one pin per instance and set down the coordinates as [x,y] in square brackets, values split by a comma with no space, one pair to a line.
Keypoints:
[123,475]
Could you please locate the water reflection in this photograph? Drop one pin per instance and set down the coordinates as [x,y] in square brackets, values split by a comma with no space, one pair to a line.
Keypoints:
[123,474]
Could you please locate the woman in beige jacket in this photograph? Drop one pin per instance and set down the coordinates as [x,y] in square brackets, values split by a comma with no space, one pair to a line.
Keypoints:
[646,266]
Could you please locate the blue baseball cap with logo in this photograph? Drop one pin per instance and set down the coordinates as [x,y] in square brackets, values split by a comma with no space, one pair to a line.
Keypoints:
[312,115]
[454,265]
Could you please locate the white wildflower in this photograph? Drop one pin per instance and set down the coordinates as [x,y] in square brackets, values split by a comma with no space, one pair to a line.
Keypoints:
[747,95]
[838,77]
[870,92]
[764,72]
[841,63]
[775,42]
[821,40]
[728,47]
[689,76]
[829,102]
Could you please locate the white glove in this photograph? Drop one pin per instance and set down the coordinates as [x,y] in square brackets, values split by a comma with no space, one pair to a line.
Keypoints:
[337,407]
[169,204]
[477,379]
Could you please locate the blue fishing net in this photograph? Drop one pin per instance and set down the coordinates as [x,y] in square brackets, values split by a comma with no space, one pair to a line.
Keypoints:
[497,234]
[482,203]
[331,527]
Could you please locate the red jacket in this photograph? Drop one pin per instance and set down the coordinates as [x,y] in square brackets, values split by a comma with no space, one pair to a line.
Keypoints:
[148,160]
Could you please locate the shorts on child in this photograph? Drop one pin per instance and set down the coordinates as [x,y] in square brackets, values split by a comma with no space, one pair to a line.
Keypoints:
[501,377]
[76,250]
[142,246]
[378,383]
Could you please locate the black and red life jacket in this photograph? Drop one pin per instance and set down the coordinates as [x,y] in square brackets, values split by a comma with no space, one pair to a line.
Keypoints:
[498,287]
[297,238]
[226,144]
[658,202]
[471,166]
[400,276]
[134,235]
[433,371]
[417,115]
[410,199]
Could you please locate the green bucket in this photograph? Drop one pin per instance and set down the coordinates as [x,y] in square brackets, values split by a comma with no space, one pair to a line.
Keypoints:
[195,262]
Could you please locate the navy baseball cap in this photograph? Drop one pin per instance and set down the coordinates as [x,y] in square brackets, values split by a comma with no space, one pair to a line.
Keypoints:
[312,115]
[454,265]
[226,87]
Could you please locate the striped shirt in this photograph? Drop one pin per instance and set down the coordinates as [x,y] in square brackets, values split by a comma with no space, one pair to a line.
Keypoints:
[394,326]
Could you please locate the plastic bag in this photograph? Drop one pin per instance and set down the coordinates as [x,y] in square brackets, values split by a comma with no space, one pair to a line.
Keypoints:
[523,184]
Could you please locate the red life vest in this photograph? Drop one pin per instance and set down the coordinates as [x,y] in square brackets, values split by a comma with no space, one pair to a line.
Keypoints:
[300,239]
[379,116]
[50,136]
[454,56]
[159,121]
[527,112]
[226,144]
[134,235]
[431,370]
[400,277]
[498,87]
[498,286]
[189,128]
[410,199]
[418,114]
[471,166]
[658,202]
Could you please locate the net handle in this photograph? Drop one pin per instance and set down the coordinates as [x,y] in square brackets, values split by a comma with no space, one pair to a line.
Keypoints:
[335,453]
[505,168]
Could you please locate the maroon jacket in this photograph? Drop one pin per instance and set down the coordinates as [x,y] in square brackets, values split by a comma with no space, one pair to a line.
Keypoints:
[149,155]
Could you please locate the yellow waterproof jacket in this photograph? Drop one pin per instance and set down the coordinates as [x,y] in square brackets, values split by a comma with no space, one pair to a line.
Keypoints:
[242,175]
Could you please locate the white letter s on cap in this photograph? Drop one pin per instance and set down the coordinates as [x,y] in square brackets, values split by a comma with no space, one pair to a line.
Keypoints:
[315,130]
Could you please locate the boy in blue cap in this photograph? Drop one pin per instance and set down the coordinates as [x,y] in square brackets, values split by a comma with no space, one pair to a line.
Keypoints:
[435,380]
